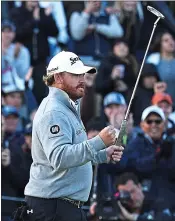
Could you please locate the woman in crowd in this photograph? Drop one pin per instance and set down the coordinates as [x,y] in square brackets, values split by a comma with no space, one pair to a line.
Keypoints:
[164,58]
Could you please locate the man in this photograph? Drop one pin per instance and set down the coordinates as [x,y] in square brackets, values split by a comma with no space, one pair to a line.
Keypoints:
[165,102]
[93,27]
[15,54]
[142,207]
[150,155]
[61,172]
[114,108]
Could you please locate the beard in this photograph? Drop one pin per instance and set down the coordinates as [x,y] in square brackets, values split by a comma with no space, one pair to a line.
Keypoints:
[74,93]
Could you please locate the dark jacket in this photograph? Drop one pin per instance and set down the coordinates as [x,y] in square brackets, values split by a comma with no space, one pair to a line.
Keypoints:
[103,83]
[33,34]
[149,160]
[94,44]
[143,95]
[156,209]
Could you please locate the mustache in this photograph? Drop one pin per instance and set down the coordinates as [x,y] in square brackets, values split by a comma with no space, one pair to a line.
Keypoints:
[82,85]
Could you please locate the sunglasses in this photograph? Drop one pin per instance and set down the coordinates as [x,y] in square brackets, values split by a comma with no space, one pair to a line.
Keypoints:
[154,121]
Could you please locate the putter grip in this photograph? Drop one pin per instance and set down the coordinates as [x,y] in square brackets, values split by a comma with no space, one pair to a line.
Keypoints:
[122,132]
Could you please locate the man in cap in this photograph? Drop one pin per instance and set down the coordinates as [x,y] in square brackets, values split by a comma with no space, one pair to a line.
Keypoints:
[61,172]
[114,108]
[165,102]
[149,156]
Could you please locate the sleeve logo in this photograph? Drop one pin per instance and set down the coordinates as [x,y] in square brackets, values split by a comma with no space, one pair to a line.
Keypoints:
[54,129]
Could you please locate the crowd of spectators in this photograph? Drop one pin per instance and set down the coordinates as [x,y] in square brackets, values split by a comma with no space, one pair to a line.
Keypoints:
[112,36]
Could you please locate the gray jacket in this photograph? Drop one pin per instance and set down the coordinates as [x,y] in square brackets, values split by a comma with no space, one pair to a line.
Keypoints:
[61,153]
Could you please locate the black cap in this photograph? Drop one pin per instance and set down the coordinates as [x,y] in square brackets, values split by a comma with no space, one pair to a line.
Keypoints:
[149,70]
[120,40]
[8,24]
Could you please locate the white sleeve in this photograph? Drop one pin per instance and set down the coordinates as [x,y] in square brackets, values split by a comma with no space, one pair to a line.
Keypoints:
[78,25]
[111,30]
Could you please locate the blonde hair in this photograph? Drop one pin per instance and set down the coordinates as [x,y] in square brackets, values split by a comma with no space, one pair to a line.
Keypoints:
[49,79]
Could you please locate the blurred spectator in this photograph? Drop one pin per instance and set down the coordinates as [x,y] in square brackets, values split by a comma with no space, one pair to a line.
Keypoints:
[59,16]
[15,98]
[114,108]
[130,16]
[144,92]
[88,102]
[164,101]
[139,206]
[93,127]
[164,59]
[151,156]
[12,173]
[36,26]
[117,71]
[26,148]
[15,53]
[95,28]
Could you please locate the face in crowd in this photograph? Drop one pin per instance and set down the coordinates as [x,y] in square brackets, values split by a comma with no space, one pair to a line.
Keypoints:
[154,126]
[13,99]
[166,107]
[167,43]
[135,191]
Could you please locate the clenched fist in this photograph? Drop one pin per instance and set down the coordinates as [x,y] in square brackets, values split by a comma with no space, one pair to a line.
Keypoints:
[108,135]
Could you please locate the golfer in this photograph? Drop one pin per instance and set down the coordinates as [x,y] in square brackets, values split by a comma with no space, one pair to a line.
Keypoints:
[61,172]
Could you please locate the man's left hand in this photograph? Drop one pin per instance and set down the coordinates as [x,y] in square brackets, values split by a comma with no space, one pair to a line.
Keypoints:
[114,153]
[125,215]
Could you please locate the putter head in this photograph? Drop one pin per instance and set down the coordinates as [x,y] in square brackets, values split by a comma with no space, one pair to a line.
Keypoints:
[154,11]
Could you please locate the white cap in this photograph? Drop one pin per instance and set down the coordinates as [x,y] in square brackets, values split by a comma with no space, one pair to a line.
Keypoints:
[153,109]
[68,62]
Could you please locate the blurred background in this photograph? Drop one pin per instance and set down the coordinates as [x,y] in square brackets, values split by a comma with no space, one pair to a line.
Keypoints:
[112,36]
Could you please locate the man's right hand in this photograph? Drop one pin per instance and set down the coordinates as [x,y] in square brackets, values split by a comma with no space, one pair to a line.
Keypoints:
[108,135]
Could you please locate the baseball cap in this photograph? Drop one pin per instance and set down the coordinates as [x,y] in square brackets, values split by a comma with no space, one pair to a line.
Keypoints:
[66,61]
[158,97]
[114,98]
[9,110]
[8,24]
[152,109]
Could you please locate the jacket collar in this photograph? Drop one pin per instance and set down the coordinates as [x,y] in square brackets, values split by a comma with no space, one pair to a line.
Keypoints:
[62,97]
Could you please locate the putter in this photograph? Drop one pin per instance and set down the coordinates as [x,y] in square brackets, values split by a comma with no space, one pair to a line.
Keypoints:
[123,127]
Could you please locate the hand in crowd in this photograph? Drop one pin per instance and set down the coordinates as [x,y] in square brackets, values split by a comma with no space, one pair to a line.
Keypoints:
[89,79]
[125,215]
[29,74]
[90,29]
[114,153]
[108,135]
[48,11]
[36,13]
[116,72]
[5,157]
[116,119]
[92,208]
[91,7]
[17,49]
[130,123]
[121,86]
[160,87]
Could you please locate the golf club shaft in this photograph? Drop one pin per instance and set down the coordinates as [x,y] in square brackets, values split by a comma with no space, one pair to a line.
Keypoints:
[138,78]
[123,127]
